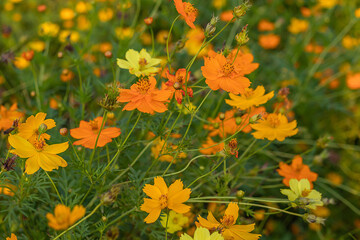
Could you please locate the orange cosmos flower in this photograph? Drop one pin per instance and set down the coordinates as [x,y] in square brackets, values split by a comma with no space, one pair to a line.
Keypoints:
[63,217]
[38,153]
[296,170]
[162,197]
[265,25]
[269,41]
[274,126]
[87,132]
[7,189]
[249,98]
[224,73]
[177,82]
[12,237]
[8,116]
[144,96]
[353,81]
[210,148]
[227,226]
[188,11]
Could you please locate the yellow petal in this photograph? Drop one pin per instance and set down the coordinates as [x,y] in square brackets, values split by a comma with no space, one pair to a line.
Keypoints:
[22,147]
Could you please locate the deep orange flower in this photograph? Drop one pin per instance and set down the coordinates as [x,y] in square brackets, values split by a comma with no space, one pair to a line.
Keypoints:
[63,217]
[176,84]
[12,237]
[296,170]
[162,197]
[144,96]
[210,147]
[188,11]
[265,25]
[353,81]
[227,226]
[224,73]
[7,116]
[88,132]
[269,41]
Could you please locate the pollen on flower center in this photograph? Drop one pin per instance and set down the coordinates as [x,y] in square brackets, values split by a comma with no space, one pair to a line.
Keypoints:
[189,9]
[305,192]
[163,201]
[39,144]
[142,62]
[180,79]
[228,68]
[248,92]
[273,120]
[94,125]
[143,85]
[227,221]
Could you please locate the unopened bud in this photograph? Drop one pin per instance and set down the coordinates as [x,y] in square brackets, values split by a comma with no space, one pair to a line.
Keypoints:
[238,120]
[112,234]
[240,194]
[63,132]
[108,54]
[328,201]
[216,125]
[311,218]
[254,118]
[240,11]
[110,115]
[242,37]
[28,55]
[180,44]
[32,94]
[42,128]
[148,21]
[222,116]
[104,218]
[209,30]
[60,54]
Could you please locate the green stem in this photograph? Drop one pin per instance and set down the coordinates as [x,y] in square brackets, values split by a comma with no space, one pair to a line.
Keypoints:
[37,91]
[56,190]
[167,40]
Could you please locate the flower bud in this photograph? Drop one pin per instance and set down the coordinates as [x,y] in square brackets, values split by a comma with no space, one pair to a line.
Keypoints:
[108,54]
[222,116]
[209,30]
[63,132]
[110,196]
[60,54]
[242,38]
[109,102]
[216,125]
[110,115]
[311,218]
[112,234]
[238,120]
[240,10]
[177,86]
[32,93]
[254,118]
[148,21]
[42,128]
[240,194]
[28,55]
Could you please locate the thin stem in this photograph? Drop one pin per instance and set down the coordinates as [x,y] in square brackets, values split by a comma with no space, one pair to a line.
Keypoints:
[56,190]
[167,40]
[73,226]
[37,91]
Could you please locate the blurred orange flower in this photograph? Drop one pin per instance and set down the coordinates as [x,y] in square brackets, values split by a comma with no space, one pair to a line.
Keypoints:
[265,25]
[63,217]
[269,41]
[296,170]
[12,237]
[88,132]
[210,147]
[144,96]
[188,11]
[353,81]
[7,116]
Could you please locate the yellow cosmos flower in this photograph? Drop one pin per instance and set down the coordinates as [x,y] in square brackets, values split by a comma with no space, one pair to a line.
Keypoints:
[162,197]
[227,227]
[327,3]
[37,46]
[202,234]
[274,126]
[139,63]
[38,154]
[298,26]
[65,34]
[30,129]
[249,98]
[175,223]
[167,152]
[67,14]
[63,217]
[12,237]
[302,195]
[21,63]
[48,29]
[105,14]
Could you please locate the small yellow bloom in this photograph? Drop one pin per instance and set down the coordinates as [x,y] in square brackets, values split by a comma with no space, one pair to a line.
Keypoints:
[17,17]
[139,63]
[298,26]
[274,126]
[249,98]
[12,237]
[63,217]
[202,234]
[218,4]
[175,223]
[161,36]
[167,152]
[83,7]
[349,42]
[67,14]
[37,46]
[30,129]
[83,23]
[301,194]
[21,63]
[327,3]
[124,33]
[357,13]
[64,34]
[105,14]
[48,29]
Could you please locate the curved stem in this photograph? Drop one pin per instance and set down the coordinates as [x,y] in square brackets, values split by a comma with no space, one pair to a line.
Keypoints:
[56,190]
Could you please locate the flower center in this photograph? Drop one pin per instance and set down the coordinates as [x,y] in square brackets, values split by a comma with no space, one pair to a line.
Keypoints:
[94,125]
[273,120]
[180,79]
[248,92]
[163,201]
[39,144]
[143,85]
[142,62]
[228,68]
[190,10]
[227,221]
[305,192]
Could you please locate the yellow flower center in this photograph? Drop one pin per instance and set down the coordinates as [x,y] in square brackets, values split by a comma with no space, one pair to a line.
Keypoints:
[94,125]
[228,68]
[233,143]
[189,9]
[180,79]
[305,192]
[142,62]
[273,120]
[227,221]
[39,144]
[163,201]
[143,85]
[248,92]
